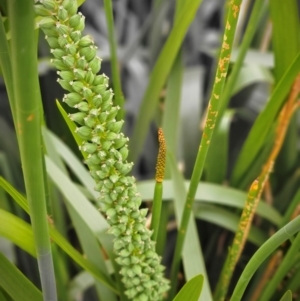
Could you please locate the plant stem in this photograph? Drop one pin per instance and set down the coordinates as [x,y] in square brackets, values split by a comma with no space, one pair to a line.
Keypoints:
[212,114]
[158,191]
[262,253]
[29,119]
[119,98]
[254,194]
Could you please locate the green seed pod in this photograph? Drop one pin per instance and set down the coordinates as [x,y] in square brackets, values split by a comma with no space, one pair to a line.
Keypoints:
[114,230]
[102,174]
[106,145]
[77,86]
[87,93]
[111,136]
[99,80]
[131,293]
[74,21]
[103,117]
[88,52]
[59,64]
[90,121]
[114,178]
[86,41]
[136,281]
[89,77]
[96,140]
[95,65]
[46,23]
[53,43]
[79,74]
[94,112]
[89,148]
[65,84]
[107,95]
[118,244]
[97,100]
[99,89]
[75,35]
[62,29]
[106,106]
[62,40]
[125,253]
[71,48]
[126,168]
[57,53]
[115,126]
[66,75]
[84,132]
[111,212]
[92,160]
[72,99]
[137,269]
[70,6]
[124,152]
[78,117]
[69,60]
[49,4]
[40,10]
[82,63]
[51,32]
[113,112]
[62,13]
[120,142]
[82,106]
[80,26]
[102,155]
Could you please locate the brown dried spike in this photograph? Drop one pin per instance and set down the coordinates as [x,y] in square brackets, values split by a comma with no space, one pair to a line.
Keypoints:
[161,157]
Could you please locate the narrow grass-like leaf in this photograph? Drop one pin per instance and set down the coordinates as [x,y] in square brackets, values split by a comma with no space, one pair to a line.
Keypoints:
[263,123]
[60,240]
[6,69]
[28,105]
[262,253]
[228,220]
[87,238]
[191,290]
[16,284]
[217,159]
[191,252]
[17,231]
[287,296]
[287,263]
[119,98]
[286,45]
[159,75]
[215,194]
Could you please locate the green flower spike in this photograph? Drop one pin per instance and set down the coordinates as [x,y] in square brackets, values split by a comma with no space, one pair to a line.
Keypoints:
[106,147]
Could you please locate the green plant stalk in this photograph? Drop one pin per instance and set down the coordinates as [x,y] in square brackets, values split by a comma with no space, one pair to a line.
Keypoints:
[239,241]
[256,15]
[156,209]
[29,120]
[293,284]
[263,124]
[119,97]
[292,207]
[207,133]
[5,63]
[262,253]
[27,103]
[158,191]
[286,264]
[159,75]
[60,240]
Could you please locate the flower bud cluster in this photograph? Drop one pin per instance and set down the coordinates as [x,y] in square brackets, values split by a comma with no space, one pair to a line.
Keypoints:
[75,57]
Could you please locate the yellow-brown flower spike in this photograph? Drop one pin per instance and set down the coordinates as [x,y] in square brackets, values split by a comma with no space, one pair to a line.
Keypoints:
[161,157]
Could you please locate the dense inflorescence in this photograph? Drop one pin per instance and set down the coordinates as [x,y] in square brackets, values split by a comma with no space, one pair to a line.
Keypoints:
[75,57]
